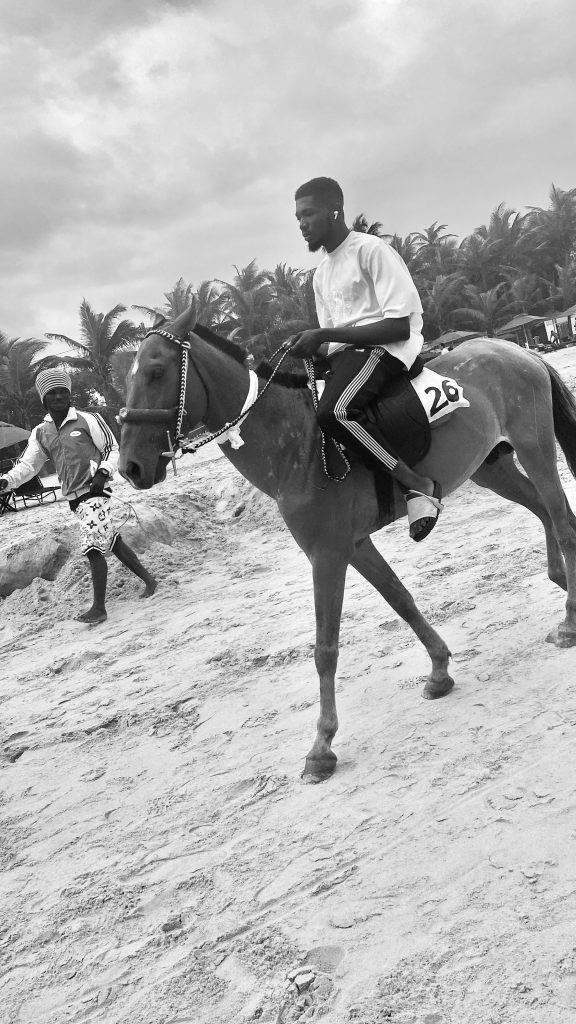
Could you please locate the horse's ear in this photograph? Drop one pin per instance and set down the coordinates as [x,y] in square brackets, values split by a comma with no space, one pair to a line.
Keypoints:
[185,322]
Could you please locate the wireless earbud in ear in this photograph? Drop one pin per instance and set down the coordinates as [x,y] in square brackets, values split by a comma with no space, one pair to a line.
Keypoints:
[335,214]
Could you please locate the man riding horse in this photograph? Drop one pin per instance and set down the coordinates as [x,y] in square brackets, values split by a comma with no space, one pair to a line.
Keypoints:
[370,318]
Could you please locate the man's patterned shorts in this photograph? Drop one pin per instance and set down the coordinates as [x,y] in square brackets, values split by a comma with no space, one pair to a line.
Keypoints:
[97,531]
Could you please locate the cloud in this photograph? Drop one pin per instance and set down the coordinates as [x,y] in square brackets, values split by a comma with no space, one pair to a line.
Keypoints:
[151,139]
[61,24]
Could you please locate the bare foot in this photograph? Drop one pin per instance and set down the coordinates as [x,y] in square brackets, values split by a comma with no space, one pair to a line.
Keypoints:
[92,617]
[150,588]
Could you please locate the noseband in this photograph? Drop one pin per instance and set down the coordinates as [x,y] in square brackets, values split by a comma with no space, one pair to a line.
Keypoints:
[164,415]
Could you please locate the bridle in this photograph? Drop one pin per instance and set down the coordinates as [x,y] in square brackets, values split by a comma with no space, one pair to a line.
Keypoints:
[126,415]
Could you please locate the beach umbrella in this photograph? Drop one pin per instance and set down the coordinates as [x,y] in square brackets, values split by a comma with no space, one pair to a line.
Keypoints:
[9,435]
[454,337]
[520,321]
[518,327]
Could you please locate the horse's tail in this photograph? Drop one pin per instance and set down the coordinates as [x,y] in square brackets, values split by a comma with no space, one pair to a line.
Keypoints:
[564,412]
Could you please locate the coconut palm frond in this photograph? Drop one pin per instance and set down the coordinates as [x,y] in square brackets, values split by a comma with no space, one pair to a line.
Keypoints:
[78,346]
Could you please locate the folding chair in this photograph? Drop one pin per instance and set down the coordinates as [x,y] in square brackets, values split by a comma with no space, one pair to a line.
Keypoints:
[32,492]
[6,497]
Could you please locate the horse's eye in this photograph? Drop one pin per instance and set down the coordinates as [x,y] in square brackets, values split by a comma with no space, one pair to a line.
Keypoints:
[157,372]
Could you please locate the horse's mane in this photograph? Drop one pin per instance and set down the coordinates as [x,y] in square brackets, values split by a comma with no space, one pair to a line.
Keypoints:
[286,379]
[237,352]
[230,348]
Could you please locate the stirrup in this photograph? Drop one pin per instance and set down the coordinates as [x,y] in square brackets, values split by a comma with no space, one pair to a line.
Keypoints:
[423,506]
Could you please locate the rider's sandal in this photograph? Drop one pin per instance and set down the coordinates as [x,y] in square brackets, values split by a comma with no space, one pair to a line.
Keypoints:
[425,509]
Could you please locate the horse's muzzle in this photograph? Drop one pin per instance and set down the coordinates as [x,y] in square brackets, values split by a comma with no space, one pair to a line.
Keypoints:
[140,477]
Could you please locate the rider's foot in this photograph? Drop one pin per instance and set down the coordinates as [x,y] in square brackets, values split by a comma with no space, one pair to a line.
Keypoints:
[92,617]
[424,507]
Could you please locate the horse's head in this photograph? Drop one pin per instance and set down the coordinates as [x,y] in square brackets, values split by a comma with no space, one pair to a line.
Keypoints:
[154,396]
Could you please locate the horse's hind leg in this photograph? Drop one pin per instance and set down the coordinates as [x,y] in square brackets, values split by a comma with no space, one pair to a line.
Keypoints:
[369,563]
[539,462]
[504,478]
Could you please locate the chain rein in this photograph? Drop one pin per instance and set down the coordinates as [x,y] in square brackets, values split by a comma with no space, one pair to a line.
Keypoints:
[191,448]
[185,346]
[309,364]
[186,449]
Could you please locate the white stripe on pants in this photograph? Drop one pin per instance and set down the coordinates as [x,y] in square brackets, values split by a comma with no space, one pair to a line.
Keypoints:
[355,428]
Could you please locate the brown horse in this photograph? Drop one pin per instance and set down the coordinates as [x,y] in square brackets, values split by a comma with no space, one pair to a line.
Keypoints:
[514,396]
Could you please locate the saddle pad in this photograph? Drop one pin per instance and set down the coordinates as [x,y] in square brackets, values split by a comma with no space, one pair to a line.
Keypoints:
[439,395]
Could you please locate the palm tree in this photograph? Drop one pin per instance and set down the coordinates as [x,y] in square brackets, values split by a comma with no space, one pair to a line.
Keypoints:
[282,279]
[209,304]
[436,251]
[360,223]
[294,304]
[121,363]
[486,311]
[206,300]
[563,291]
[440,299]
[483,255]
[178,300]
[249,305]
[103,335]
[507,235]
[20,363]
[552,232]
[407,248]
[530,291]
[476,260]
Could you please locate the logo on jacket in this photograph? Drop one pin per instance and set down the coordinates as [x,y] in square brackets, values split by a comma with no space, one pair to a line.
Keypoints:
[75,433]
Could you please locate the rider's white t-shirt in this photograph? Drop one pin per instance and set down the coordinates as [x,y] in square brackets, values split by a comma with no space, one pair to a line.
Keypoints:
[365,280]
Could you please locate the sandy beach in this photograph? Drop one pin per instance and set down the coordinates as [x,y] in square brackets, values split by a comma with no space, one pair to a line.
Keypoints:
[161,861]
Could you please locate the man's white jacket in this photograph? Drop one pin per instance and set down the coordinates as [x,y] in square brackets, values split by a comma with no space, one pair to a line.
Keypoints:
[81,445]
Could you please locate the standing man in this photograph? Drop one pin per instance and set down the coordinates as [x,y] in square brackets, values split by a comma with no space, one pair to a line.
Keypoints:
[370,318]
[85,454]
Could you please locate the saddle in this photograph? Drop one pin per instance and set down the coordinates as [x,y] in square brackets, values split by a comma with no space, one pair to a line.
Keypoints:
[411,405]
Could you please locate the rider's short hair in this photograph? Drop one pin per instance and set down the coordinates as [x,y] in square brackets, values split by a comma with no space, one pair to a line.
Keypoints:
[325,190]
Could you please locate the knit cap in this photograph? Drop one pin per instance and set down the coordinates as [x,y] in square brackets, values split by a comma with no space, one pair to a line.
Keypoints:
[48,379]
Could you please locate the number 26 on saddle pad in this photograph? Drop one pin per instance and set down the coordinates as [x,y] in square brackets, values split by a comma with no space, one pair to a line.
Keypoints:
[439,395]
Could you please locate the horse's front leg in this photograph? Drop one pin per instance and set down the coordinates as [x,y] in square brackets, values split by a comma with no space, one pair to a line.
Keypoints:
[329,574]
[372,566]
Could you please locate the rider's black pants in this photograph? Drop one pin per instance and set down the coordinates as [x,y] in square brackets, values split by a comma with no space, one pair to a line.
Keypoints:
[355,384]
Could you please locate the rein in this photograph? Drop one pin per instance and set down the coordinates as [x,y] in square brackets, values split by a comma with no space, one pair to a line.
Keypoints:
[309,364]
[126,415]
[195,445]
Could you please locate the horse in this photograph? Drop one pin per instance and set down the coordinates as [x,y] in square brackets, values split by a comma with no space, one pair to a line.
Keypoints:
[518,404]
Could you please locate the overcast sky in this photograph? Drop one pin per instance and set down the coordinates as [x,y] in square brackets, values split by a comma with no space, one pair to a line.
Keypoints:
[144,140]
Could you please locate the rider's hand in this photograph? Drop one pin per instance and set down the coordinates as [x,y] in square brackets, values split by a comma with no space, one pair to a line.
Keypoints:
[99,481]
[3,483]
[306,343]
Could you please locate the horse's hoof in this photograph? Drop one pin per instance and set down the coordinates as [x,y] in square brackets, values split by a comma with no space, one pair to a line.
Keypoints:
[562,638]
[432,691]
[560,581]
[319,769]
